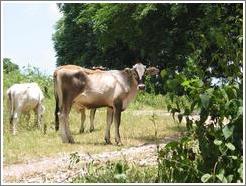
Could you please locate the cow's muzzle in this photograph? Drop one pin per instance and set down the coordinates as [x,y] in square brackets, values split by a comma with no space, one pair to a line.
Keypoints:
[141,87]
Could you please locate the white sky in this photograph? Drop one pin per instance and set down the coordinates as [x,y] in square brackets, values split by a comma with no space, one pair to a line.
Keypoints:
[27,29]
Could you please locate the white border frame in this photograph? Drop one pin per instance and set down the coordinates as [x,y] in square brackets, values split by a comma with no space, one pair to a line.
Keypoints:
[137,2]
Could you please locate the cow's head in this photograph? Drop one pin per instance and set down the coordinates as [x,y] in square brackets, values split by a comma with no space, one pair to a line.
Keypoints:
[140,71]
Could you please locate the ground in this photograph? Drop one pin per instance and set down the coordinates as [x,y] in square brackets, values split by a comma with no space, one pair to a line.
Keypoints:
[58,169]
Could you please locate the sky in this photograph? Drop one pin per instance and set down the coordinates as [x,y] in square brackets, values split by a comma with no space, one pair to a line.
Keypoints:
[27,30]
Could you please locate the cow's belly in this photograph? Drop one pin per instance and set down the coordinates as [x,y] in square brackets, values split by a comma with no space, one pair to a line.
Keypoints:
[92,100]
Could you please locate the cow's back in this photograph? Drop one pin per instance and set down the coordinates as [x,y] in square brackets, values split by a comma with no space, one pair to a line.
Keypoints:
[104,87]
[25,96]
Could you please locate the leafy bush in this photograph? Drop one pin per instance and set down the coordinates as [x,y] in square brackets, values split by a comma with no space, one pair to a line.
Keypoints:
[210,152]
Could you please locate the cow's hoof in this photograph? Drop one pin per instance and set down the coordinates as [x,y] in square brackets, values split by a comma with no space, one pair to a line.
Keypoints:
[81,131]
[108,142]
[119,143]
[91,129]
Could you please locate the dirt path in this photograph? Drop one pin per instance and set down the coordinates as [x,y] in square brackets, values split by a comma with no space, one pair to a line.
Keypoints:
[59,170]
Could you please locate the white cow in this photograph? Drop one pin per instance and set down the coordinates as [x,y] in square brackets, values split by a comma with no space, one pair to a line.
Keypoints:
[22,98]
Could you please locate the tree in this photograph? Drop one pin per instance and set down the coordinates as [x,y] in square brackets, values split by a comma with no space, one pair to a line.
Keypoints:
[9,66]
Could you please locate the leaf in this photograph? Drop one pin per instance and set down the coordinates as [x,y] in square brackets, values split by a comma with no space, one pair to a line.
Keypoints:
[230,146]
[206,177]
[217,142]
[229,178]
[233,157]
[221,177]
[205,100]
[240,170]
[227,132]
[172,144]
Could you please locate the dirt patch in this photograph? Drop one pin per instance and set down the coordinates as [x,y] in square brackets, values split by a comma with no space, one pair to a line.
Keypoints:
[59,170]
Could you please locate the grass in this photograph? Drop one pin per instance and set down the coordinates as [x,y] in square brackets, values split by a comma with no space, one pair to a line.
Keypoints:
[117,172]
[30,142]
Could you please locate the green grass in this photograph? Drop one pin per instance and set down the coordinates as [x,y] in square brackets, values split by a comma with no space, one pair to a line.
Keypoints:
[118,172]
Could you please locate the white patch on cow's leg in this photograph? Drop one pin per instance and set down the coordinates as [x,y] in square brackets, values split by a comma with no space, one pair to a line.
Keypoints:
[92,116]
[117,117]
[83,116]
[109,122]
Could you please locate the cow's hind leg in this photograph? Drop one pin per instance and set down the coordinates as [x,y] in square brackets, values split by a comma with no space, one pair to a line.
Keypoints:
[64,128]
[64,123]
[56,114]
[92,116]
[38,112]
[13,122]
[109,122]
[83,116]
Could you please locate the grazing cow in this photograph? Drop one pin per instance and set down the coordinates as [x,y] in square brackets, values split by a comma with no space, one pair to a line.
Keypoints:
[85,88]
[22,98]
[77,107]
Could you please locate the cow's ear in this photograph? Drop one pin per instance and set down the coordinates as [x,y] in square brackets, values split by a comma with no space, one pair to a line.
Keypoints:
[152,71]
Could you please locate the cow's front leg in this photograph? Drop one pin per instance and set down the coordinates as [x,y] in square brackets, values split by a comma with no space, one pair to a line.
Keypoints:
[117,119]
[92,116]
[109,122]
[82,119]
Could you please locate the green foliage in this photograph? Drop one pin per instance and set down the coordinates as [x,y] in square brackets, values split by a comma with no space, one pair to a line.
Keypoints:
[218,154]
[161,34]
[179,161]
[219,145]
[117,172]
[9,66]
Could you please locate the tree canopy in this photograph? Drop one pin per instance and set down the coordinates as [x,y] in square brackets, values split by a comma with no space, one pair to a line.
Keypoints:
[168,35]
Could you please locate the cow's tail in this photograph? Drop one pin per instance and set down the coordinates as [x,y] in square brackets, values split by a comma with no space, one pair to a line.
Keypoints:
[57,109]
[11,104]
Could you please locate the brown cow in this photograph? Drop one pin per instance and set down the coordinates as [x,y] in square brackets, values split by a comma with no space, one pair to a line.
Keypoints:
[92,89]
[78,108]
